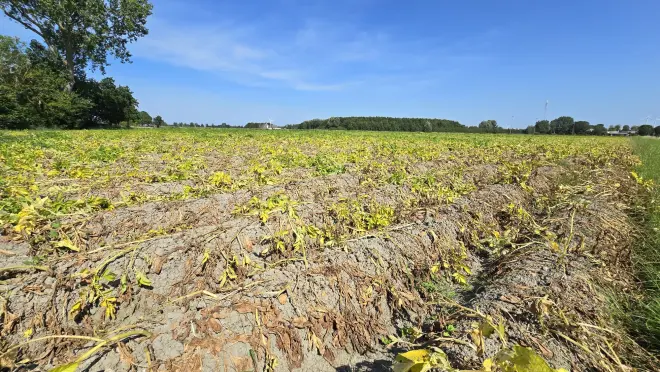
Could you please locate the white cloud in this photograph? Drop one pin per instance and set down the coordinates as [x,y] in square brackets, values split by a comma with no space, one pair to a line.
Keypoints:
[315,55]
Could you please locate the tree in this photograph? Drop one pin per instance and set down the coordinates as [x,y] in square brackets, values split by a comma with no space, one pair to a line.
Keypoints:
[112,104]
[646,130]
[626,128]
[542,126]
[600,130]
[617,128]
[31,92]
[657,131]
[562,125]
[83,33]
[145,118]
[158,121]
[488,125]
[581,127]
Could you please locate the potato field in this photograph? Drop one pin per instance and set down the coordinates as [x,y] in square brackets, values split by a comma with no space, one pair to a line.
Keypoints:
[257,250]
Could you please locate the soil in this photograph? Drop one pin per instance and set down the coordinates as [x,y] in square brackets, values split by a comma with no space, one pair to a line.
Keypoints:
[332,310]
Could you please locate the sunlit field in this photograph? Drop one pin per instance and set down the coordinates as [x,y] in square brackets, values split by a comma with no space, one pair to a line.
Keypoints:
[280,249]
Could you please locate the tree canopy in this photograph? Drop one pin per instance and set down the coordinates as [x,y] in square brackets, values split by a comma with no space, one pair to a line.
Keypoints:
[581,127]
[32,94]
[489,125]
[144,118]
[542,127]
[82,33]
[646,130]
[379,123]
[158,121]
[600,129]
[562,125]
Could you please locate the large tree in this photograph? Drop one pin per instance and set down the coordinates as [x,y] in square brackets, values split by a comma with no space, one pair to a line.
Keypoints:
[489,125]
[31,92]
[600,130]
[657,131]
[82,33]
[562,125]
[581,127]
[113,104]
[145,118]
[158,121]
[646,130]
[542,126]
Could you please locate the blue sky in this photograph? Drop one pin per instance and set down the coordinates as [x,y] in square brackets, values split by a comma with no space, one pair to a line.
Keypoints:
[290,60]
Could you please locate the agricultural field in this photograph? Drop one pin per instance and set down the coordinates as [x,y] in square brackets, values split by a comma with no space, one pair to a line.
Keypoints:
[241,250]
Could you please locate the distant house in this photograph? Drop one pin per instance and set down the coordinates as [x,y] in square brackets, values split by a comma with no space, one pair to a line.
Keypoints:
[269,126]
[623,133]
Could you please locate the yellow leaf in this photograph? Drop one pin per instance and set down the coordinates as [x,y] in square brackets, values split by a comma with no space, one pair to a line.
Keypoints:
[76,307]
[71,367]
[522,359]
[488,365]
[421,360]
[28,333]
[415,356]
[404,362]
[66,243]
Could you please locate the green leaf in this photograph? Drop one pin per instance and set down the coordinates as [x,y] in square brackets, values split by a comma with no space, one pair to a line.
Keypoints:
[123,284]
[142,279]
[108,275]
[486,328]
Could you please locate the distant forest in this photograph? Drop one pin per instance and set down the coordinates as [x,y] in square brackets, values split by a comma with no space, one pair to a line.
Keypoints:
[560,125]
[380,123]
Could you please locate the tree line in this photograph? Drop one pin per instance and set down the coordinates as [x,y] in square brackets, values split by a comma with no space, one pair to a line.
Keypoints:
[567,125]
[44,83]
[562,125]
[381,124]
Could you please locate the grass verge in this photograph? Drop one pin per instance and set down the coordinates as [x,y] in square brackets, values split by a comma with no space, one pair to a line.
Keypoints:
[645,315]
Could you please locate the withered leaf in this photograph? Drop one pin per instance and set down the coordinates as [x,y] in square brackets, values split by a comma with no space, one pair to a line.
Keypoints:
[299,322]
[215,325]
[125,354]
[157,264]
[511,299]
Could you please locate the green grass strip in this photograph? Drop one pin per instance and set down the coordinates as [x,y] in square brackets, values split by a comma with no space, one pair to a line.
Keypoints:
[645,316]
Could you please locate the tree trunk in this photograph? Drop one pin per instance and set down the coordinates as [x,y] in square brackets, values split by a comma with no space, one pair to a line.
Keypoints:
[68,60]
[70,68]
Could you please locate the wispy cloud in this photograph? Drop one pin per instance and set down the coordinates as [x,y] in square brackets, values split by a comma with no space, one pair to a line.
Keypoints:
[315,55]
